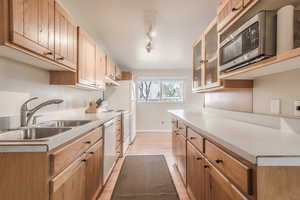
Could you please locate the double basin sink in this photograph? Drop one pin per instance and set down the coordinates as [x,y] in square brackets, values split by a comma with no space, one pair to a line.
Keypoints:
[43,131]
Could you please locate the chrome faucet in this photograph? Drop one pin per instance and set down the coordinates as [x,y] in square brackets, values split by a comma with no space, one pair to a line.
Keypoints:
[27,114]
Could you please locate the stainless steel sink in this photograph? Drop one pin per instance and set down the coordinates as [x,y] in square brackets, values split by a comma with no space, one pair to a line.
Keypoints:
[31,134]
[64,123]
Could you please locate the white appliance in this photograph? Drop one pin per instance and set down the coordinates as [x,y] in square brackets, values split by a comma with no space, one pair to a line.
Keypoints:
[123,97]
[110,154]
[126,131]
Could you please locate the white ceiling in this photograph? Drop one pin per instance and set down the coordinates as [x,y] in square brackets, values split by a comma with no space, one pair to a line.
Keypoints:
[119,25]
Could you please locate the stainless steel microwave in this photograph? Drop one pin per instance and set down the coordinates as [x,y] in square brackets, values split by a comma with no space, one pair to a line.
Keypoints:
[253,41]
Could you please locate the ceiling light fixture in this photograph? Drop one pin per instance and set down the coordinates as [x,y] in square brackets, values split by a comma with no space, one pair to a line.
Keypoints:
[149,38]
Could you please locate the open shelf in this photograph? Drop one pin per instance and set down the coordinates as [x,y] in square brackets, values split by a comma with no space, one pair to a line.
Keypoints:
[281,63]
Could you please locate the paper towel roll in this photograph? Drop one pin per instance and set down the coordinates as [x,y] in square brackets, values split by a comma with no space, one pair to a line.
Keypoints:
[285,29]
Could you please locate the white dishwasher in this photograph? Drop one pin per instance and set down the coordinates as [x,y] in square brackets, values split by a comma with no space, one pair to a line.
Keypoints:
[110,154]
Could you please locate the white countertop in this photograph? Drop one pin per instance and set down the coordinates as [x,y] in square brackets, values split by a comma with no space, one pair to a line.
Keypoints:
[97,119]
[258,144]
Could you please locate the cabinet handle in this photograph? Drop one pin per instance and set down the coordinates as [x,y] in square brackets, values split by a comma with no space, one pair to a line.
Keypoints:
[192,138]
[199,158]
[84,160]
[236,9]
[92,153]
[206,166]
[61,58]
[88,142]
[219,161]
[48,53]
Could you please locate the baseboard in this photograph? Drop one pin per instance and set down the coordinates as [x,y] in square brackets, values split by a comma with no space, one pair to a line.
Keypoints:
[153,131]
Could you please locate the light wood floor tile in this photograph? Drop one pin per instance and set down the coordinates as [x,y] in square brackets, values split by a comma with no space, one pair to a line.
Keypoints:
[148,144]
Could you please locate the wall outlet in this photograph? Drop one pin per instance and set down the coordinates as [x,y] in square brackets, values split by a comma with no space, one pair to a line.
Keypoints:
[275,106]
[297,109]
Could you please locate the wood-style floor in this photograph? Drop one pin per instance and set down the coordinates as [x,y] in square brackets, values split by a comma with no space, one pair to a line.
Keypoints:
[148,144]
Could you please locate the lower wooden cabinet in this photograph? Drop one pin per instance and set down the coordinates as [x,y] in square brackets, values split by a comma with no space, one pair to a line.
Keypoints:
[181,156]
[195,173]
[219,187]
[71,183]
[94,168]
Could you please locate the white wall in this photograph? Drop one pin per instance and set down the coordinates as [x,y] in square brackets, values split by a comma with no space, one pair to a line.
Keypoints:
[284,86]
[19,81]
[154,116]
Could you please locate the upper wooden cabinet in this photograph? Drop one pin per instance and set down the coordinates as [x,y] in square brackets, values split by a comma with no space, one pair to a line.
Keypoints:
[65,38]
[86,59]
[100,68]
[32,26]
[90,69]
[230,9]
[205,59]
[110,68]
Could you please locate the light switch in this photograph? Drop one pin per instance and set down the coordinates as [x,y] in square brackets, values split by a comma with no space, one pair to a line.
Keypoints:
[275,106]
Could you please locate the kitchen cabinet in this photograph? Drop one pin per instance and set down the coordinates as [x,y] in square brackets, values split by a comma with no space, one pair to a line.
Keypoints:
[210,172]
[32,26]
[100,68]
[94,168]
[198,67]
[219,187]
[65,38]
[110,68]
[211,68]
[71,183]
[71,171]
[181,156]
[90,69]
[205,60]
[86,59]
[195,173]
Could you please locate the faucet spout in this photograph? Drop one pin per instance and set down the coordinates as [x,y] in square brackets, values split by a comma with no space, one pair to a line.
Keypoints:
[27,114]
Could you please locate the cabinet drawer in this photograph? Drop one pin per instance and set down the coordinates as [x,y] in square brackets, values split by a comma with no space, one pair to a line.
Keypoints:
[62,157]
[236,171]
[181,128]
[228,191]
[196,139]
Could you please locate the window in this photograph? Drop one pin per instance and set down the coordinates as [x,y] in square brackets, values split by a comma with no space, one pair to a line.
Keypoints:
[160,90]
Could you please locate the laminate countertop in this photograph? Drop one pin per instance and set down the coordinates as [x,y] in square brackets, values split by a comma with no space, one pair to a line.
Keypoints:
[260,145]
[44,145]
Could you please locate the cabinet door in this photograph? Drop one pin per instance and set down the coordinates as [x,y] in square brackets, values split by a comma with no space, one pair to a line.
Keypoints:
[181,156]
[195,173]
[94,170]
[100,68]
[198,61]
[87,59]
[65,38]
[71,183]
[218,186]
[33,25]
[211,70]
[110,68]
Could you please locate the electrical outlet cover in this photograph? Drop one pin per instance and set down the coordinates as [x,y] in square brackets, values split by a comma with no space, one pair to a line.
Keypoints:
[275,106]
[297,109]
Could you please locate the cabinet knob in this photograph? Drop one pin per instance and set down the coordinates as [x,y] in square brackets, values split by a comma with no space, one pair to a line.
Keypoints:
[92,153]
[88,142]
[61,58]
[236,9]
[199,158]
[219,161]
[192,138]
[206,166]
[84,160]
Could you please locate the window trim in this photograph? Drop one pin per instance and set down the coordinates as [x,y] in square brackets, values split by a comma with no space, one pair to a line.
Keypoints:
[160,82]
